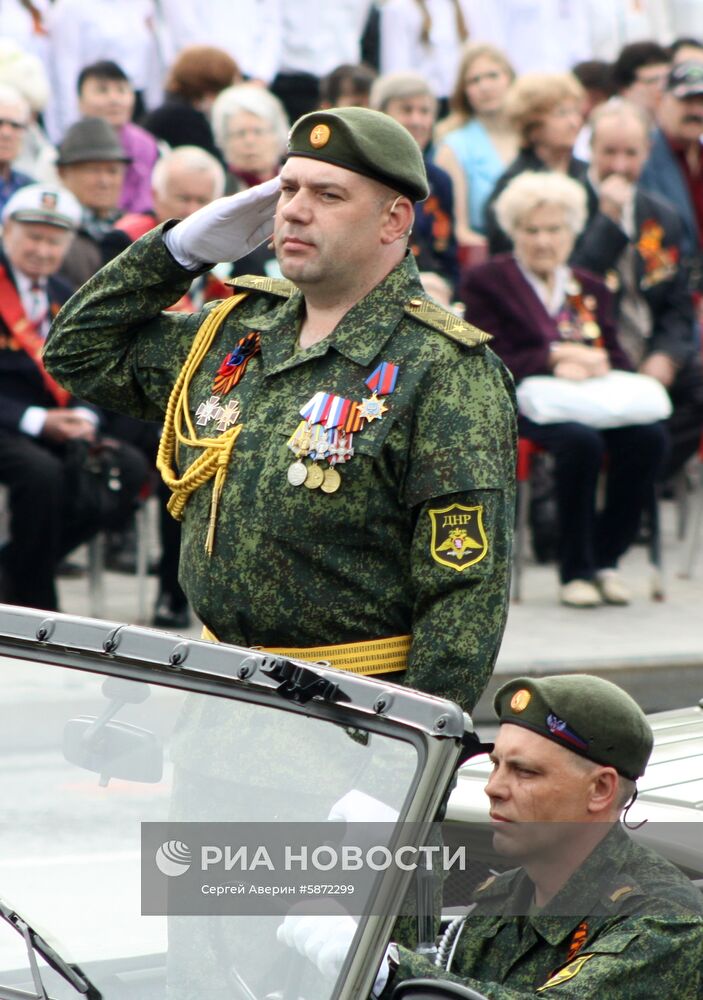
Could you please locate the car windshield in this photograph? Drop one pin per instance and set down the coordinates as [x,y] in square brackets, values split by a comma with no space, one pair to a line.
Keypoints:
[87,760]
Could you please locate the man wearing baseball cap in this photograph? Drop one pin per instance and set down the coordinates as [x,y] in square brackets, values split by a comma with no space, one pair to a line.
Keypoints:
[590,913]
[39,419]
[339,447]
[675,165]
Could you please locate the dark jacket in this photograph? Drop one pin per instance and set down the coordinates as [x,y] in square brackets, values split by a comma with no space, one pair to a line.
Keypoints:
[433,241]
[498,299]
[662,175]
[663,284]
[21,384]
[178,123]
[527,159]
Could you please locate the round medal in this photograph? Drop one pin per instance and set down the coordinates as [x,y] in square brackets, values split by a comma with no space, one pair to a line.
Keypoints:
[591,330]
[332,481]
[315,477]
[297,473]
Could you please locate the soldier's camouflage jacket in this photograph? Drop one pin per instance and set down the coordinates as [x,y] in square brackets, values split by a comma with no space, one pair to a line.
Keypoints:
[635,933]
[293,566]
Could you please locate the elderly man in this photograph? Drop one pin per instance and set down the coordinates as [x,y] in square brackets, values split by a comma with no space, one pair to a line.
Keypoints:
[590,914]
[345,447]
[40,423]
[674,168]
[633,240]
[14,119]
[409,99]
[92,164]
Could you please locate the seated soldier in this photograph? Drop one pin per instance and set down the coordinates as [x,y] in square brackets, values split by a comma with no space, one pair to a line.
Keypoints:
[590,914]
[43,430]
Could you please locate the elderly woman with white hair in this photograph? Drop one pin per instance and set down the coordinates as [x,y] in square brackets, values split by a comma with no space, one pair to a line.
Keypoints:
[550,319]
[251,130]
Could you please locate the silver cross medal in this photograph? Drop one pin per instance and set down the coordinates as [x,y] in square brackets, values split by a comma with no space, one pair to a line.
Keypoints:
[228,415]
[208,411]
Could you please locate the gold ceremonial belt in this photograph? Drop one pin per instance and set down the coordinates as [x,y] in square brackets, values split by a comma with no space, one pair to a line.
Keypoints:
[373,656]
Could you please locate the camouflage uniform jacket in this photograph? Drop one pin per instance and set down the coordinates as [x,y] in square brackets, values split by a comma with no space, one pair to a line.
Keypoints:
[298,567]
[638,933]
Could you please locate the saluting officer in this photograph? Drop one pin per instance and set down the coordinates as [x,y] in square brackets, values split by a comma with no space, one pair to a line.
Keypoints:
[340,448]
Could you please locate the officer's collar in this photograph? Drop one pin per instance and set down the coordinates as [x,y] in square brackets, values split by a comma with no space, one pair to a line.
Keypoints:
[362,332]
[359,335]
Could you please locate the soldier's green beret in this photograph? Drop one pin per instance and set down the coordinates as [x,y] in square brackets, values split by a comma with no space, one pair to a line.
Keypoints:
[591,716]
[367,142]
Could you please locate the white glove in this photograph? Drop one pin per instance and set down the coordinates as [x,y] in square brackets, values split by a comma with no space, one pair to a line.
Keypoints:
[358,807]
[226,229]
[326,942]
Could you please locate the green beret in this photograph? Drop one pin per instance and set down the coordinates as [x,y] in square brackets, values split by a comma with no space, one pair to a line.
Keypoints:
[591,716]
[367,142]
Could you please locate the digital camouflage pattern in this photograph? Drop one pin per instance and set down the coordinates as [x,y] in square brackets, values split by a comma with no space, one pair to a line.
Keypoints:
[638,935]
[298,567]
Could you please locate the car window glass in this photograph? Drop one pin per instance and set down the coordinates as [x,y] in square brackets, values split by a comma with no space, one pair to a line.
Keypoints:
[85,760]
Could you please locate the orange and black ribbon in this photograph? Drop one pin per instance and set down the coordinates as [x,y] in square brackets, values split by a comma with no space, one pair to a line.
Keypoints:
[577,941]
[233,367]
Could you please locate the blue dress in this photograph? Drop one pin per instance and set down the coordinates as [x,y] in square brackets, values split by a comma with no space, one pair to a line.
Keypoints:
[478,157]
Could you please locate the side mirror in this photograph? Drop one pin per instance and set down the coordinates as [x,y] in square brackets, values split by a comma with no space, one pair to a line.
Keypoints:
[113,750]
[432,989]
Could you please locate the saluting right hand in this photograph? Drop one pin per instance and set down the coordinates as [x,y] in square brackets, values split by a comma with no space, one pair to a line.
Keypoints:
[226,229]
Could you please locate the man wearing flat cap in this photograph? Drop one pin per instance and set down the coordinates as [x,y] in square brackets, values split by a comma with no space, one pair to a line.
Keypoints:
[590,914]
[339,447]
[674,169]
[42,427]
[92,165]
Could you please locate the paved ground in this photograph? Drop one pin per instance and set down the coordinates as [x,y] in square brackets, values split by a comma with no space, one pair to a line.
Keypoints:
[655,649]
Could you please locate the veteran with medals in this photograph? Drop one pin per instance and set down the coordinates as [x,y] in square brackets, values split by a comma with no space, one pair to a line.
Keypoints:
[341,449]
[557,321]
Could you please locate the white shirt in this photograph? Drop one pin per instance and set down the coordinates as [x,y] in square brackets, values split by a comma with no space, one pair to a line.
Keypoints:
[615,23]
[536,35]
[84,31]
[251,31]
[402,48]
[16,22]
[319,36]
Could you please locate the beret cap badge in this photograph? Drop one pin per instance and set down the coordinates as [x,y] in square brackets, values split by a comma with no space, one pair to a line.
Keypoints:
[320,136]
[520,700]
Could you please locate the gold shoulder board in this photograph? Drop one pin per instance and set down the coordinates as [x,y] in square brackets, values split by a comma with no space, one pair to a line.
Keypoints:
[258,283]
[433,315]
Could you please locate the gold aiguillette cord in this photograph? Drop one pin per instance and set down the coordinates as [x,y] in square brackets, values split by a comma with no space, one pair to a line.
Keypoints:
[216,452]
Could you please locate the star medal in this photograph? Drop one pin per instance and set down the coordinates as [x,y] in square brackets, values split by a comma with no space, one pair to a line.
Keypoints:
[299,444]
[233,367]
[381,382]
[372,409]
[207,411]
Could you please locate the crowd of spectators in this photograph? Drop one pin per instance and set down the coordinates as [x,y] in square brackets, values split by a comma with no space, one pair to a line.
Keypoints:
[145,111]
